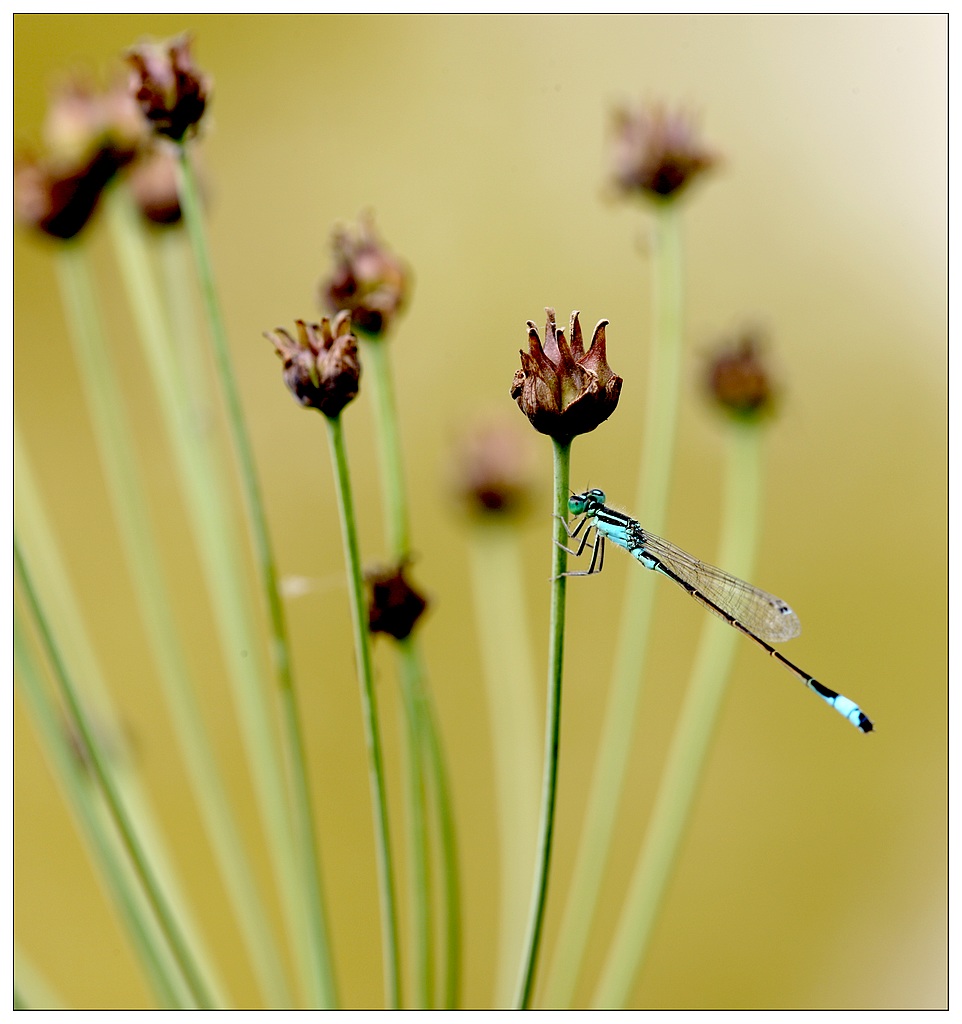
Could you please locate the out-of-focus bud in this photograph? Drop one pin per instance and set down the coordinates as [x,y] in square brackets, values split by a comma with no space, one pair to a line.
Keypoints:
[493,470]
[321,366]
[59,200]
[368,279]
[563,390]
[171,91]
[395,606]
[153,184]
[83,120]
[656,153]
[739,381]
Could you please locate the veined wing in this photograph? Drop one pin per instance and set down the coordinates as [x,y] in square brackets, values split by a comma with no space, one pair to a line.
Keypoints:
[765,615]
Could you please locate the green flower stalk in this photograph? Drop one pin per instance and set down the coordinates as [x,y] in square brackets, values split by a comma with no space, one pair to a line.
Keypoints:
[656,155]
[322,371]
[741,388]
[564,391]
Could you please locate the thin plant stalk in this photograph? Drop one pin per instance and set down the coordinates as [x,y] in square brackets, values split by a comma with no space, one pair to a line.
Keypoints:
[559,565]
[661,425]
[63,610]
[130,507]
[509,674]
[362,647]
[298,871]
[417,702]
[166,918]
[686,757]
[163,978]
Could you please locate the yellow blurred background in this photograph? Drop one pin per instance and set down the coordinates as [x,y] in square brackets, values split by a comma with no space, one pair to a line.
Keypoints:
[814,873]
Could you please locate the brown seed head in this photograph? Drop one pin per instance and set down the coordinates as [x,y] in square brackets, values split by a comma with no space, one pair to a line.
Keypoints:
[493,470]
[171,91]
[739,381]
[59,199]
[368,279]
[563,390]
[395,606]
[321,367]
[656,153]
[153,184]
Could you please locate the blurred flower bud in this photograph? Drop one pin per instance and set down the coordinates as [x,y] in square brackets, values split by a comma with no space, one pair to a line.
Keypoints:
[368,279]
[395,606]
[321,367]
[171,91]
[563,390]
[656,153]
[153,184]
[57,199]
[493,470]
[739,381]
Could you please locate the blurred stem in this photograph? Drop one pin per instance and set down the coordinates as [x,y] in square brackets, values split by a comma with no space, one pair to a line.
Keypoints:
[509,673]
[130,508]
[661,426]
[559,564]
[696,724]
[362,647]
[290,838]
[165,917]
[421,760]
[66,769]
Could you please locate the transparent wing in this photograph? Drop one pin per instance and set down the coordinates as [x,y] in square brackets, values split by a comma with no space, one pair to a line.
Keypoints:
[765,615]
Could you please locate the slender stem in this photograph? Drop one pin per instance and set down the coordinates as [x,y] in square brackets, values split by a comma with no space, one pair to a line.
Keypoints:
[689,747]
[510,682]
[307,914]
[155,895]
[664,387]
[428,759]
[559,564]
[362,647]
[165,983]
[130,507]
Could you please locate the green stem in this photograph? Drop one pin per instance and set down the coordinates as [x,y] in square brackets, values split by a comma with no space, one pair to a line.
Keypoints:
[509,674]
[362,646]
[130,507]
[559,564]
[664,388]
[67,771]
[696,724]
[307,915]
[155,895]
[428,759]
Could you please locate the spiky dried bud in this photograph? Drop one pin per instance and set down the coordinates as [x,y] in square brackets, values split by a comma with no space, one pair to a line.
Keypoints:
[656,153]
[321,367]
[368,279]
[563,390]
[493,470]
[171,91]
[739,381]
[395,606]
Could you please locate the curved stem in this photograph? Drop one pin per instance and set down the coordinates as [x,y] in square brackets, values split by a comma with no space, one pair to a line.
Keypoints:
[696,724]
[664,386]
[362,646]
[559,563]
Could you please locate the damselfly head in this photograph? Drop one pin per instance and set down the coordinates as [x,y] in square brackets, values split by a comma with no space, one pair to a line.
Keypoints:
[586,503]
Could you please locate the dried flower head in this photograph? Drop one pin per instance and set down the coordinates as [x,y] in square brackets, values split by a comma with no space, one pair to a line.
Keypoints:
[368,279]
[656,152]
[395,606]
[171,91]
[59,199]
[321,367]
[739,381]
[493,470]
[563,390]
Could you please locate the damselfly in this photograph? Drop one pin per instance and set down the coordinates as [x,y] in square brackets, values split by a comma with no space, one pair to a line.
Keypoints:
[760,616]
